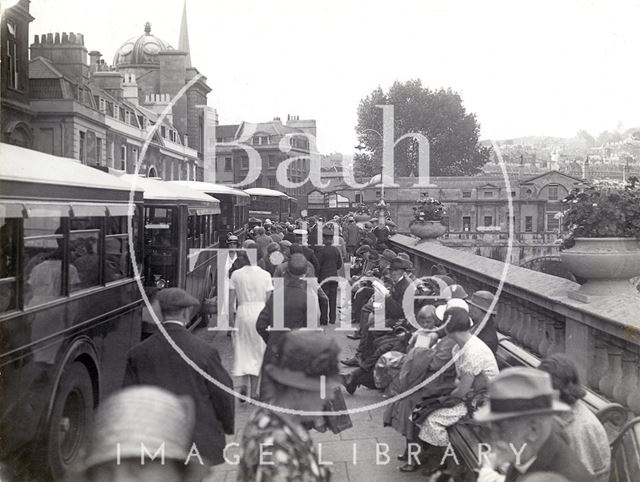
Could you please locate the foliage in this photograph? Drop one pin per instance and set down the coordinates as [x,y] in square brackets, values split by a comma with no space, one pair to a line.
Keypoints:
[429,209]
[439,115]
[365,166]
[605,209]
[362,209]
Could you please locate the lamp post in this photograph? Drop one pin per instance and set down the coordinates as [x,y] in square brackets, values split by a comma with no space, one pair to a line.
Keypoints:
[382,166]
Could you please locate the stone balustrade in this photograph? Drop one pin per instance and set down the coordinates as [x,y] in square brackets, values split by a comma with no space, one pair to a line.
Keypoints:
[601,336]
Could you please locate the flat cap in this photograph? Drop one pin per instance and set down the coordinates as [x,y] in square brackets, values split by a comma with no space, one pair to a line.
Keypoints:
[175,299]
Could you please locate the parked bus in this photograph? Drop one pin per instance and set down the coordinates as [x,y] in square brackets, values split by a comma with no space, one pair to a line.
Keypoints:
[70,307]
[179,223]
[234,208]
[268,204]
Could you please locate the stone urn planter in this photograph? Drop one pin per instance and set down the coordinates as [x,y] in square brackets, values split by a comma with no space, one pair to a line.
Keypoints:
[606,263]
[427,230]
[361,218]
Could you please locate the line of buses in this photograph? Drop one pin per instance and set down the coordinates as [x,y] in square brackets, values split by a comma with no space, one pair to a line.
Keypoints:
[70,304]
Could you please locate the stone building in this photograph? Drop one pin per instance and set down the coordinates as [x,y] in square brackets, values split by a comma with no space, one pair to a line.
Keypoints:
[79,106]
[232,160]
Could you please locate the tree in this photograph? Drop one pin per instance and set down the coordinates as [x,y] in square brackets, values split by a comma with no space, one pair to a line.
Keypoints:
[437,114]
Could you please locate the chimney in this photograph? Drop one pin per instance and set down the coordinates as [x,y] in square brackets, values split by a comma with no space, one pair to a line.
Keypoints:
[94,61]
[110,82]
[130,88]
[157,103]
[66,51]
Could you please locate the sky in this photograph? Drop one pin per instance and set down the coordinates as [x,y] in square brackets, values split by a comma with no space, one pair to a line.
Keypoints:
[543,67]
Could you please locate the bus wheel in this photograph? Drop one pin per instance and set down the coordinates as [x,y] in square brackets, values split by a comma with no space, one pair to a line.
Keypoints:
[70,419]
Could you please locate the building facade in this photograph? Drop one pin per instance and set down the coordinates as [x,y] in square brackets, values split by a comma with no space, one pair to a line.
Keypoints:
[275,143]
[76,105]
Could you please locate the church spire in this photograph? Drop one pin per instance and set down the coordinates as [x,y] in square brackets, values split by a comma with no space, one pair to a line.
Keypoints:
[183,42]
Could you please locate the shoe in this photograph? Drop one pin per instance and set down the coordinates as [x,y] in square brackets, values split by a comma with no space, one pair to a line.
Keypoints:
[349,385]
[354,336]
[402,457]
[350,362]
[409,468]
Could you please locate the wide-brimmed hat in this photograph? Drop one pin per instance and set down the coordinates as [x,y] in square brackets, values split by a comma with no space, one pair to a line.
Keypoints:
[327,230]
[452,303]
[389,255]
[308,361]
[455,291]
[267,221]
[232,238]
[367,225]
[285,243]
[175,299]
[403,264]
[139,415]
[520,391]
[297,265]
[482,300]
[362,250]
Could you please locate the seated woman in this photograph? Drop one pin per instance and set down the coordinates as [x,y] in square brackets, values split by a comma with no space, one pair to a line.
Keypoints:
[422,362]
[587,437]
[475,367]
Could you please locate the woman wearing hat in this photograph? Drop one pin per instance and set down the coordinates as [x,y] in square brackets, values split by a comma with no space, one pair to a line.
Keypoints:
[275,445]
[250,286]
[475,367]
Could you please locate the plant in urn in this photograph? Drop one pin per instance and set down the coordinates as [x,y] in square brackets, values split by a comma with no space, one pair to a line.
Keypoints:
[427,219]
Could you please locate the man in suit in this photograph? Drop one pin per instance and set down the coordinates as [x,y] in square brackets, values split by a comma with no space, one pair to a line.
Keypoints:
[156,362]
[330,261]
[520,413]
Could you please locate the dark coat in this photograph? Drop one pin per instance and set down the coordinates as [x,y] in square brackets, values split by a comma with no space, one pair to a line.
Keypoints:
[330,261]
[393,304]
[312,258]
[155,362]
[294,314]
[557,457]
[488,334]
[351,234]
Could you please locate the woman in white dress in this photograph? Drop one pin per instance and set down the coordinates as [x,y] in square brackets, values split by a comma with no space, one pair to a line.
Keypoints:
[250,286]
[475,367]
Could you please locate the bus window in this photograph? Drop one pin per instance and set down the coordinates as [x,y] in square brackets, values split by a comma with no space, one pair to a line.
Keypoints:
[160,239]
[8,252]
[84,251]
[43,253]
[116,249]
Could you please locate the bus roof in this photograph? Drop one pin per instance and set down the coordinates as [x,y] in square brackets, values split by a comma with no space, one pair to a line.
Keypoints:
[263,191]
[26,165]
[159,190]
[209,187]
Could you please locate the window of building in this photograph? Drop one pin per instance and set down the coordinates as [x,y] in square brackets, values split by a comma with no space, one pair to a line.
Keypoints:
[123,157]
[272,161]
[488,194]
[553,193]
[488,221]
[13,74]
[378,194]
[466,194]
[102,105]
[553,224]
[163,132]
[127,117]
[116,111]
[43,237]
[227,164]
[264,140]
[513,194]
[99,151]
[358,198]
[81,151]
[466,223]
[256,140]
[244,162]
[134,156]
[528,224]
[272,182]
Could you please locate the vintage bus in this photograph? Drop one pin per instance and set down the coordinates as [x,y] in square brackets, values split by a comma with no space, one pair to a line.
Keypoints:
[70,307]
[234,208]
[268,204]
[179,227]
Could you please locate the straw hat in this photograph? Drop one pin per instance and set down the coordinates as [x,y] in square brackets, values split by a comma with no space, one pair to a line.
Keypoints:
[452,303]
[141,415]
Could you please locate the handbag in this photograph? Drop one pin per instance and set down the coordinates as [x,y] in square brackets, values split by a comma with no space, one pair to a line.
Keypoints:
[337,423]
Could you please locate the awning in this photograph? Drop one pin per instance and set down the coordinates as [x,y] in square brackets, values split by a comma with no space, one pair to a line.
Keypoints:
[119,209]
[44,210]
[204,211]
[11,210]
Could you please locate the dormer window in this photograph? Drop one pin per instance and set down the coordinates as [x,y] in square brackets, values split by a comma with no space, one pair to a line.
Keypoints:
[488,194]
[102,105]
[163,132]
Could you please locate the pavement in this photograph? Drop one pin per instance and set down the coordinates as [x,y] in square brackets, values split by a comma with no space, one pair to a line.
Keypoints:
[355,455]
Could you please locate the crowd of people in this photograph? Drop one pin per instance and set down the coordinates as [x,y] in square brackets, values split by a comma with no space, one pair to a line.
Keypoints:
[436,355]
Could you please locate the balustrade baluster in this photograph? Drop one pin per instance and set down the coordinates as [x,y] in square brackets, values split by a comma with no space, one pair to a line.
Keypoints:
[517,322]
[503,316]
[600,361]
[524,328]
[629,378]
[633,400]
[532,337]
[614,375]
[557,338]
[545,339]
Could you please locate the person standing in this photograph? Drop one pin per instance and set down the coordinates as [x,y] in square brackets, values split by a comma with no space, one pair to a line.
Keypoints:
[330,261]
[275,445]
[262,240]
[155,362]
[250,286]
[351,236]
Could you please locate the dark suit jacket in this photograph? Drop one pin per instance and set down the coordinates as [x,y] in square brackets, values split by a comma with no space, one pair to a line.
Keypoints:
[555,456]
[330,261]
[393,304]
[155,362]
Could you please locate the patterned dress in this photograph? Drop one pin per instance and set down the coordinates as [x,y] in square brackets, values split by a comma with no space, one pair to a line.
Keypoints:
[286,450]
[475,359]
